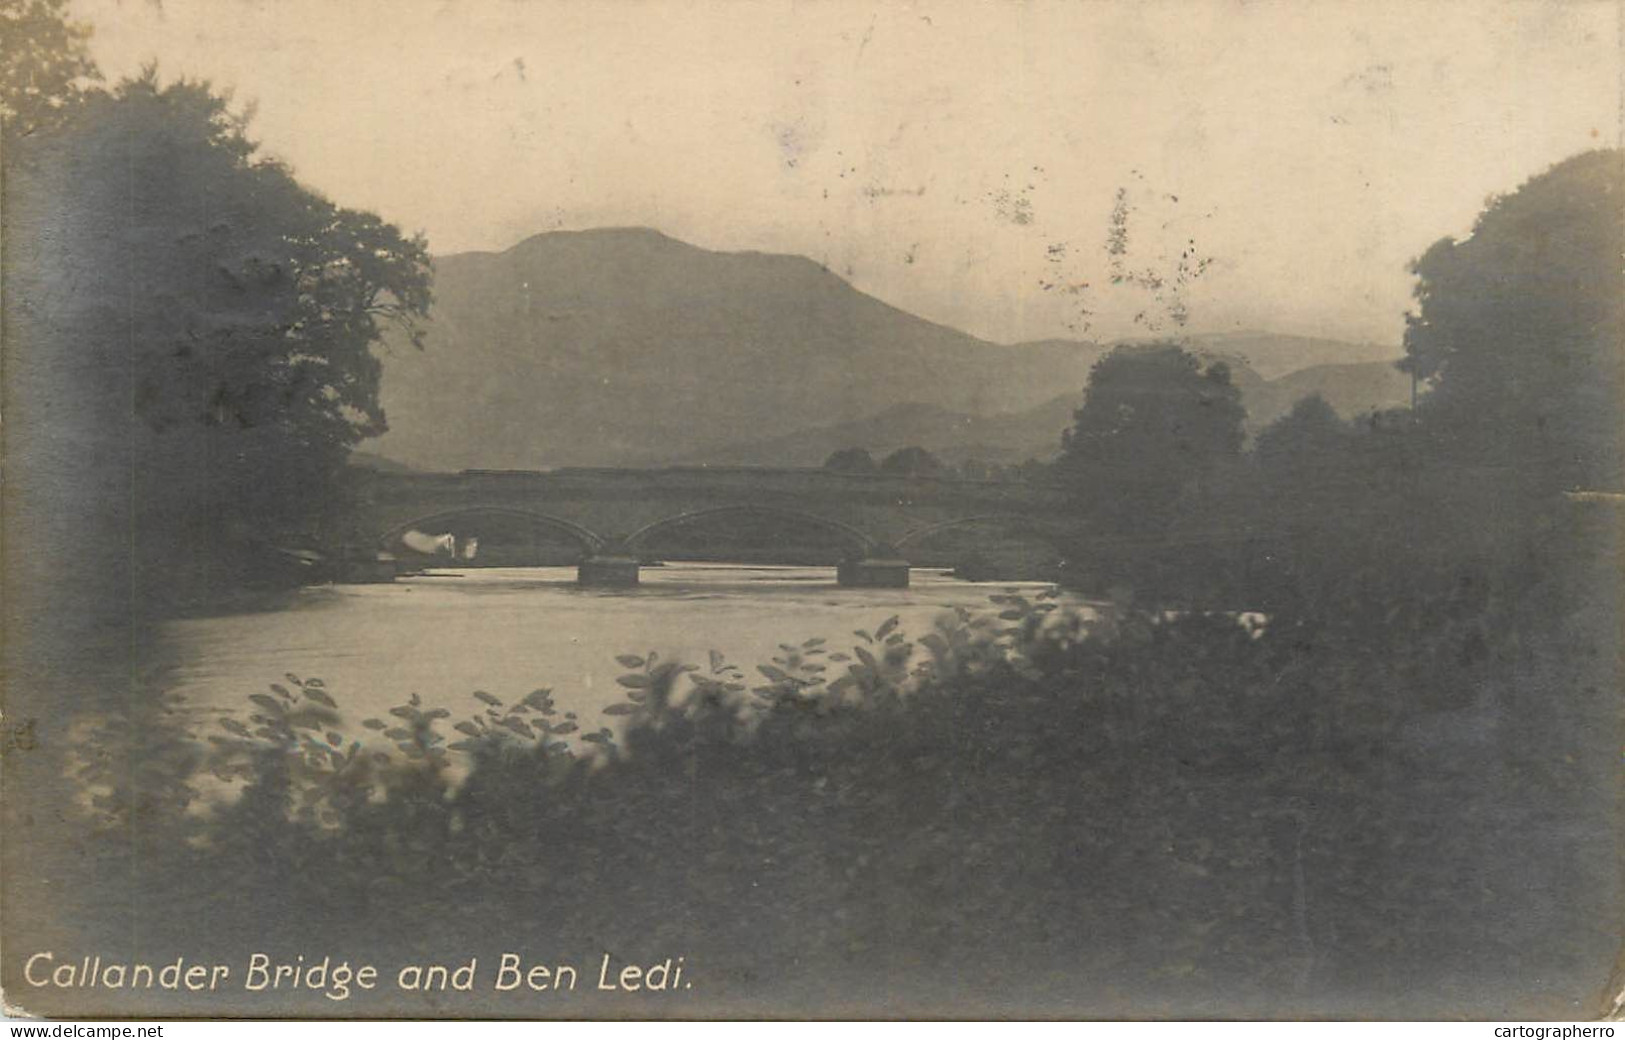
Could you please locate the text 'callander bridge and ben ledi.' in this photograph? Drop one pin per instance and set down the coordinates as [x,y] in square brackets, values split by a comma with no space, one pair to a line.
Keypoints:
[612,521]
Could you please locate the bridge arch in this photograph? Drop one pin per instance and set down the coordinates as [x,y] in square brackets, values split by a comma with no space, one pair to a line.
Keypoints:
[588,541]
[1050,534]
[859,543]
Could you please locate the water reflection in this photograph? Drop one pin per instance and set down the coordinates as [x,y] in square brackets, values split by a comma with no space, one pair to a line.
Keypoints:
[447,633]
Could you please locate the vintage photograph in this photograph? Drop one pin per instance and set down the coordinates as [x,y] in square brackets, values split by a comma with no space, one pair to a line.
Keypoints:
[786,509]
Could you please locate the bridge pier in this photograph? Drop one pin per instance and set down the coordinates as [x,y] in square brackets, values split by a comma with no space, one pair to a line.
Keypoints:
[606,571]
[873,573]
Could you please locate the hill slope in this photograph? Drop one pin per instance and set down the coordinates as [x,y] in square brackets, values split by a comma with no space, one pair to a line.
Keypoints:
[1351,389]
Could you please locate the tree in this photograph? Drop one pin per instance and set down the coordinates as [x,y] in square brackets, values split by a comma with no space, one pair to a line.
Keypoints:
[189,335]
[1518,330]
[851,460]
[1154,417]
[1033,471]
[1144,457]
[911,462]
[1311,434]
[44,65]
[978,469]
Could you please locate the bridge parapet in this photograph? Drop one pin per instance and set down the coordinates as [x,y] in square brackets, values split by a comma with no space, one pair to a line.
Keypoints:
[616,515]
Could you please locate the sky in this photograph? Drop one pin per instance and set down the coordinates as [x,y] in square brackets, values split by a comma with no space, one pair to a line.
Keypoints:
[960,160]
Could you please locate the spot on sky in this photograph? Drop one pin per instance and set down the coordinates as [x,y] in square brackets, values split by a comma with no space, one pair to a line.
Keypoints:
[1012,207]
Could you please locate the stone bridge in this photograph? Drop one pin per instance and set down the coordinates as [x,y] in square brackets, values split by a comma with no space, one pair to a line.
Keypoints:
[616,518]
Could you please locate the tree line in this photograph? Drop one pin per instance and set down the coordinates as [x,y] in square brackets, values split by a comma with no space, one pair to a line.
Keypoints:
[1515,346]
[915,461]
[189,330]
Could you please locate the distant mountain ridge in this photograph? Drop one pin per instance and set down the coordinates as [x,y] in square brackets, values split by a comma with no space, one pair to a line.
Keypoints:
[622,346]
[1273,354]
[1352,389]
[1015,437]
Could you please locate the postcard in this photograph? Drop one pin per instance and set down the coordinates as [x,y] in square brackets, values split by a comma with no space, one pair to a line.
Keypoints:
[699,509]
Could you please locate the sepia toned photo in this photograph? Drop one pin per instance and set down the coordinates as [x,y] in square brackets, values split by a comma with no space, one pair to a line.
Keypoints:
[812,509]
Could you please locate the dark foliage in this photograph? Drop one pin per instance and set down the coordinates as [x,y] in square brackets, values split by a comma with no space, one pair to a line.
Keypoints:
[196,332]
[1154,412]
[44,66]
[1519,330]
[1154,458]
[912,462]
[851,460]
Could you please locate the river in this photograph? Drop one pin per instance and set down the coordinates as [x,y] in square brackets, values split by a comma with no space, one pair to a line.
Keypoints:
[507,631]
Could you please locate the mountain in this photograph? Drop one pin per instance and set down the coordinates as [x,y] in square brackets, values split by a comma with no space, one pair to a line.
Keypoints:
[1350,389]
[600,347]
[621,346]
